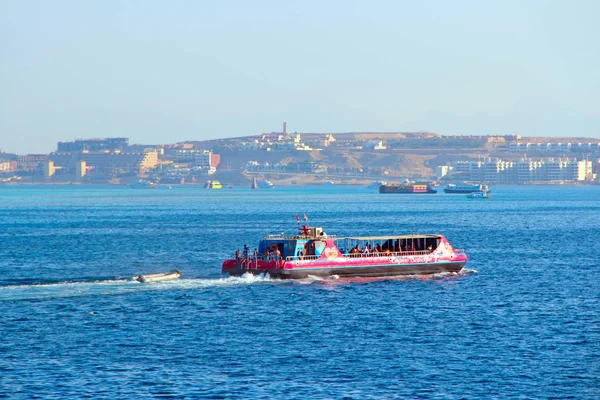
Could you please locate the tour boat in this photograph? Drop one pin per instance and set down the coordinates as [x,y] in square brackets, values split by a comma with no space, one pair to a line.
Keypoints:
[160,277]
[313,252]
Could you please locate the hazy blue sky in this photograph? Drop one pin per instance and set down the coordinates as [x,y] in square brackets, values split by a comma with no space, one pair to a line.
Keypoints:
[168,71]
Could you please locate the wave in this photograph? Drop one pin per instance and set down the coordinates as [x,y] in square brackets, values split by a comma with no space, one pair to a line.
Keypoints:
[43,290]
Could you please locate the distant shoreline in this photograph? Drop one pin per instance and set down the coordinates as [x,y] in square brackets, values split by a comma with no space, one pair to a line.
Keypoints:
[281,184]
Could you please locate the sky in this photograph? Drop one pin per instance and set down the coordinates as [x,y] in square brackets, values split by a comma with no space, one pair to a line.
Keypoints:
[169,71]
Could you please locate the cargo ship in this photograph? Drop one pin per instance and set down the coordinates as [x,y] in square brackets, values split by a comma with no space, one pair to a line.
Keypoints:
[465,188]
[313,252]
[407,188]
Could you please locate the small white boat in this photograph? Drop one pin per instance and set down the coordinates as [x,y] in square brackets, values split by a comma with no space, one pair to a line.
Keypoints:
[143,184]
[160,277]
[482,194]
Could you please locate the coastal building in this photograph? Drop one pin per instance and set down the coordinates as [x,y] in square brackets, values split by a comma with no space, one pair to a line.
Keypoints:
[500,171]
[206,162]
[553,147]
[93,145]
[442,171]
[48,169]
[31,162]
[80,170]
[8,166]
[530,170]
[105,164]
[328,141]
[375,145]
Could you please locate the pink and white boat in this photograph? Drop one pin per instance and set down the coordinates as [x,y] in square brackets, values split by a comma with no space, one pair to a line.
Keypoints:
[312,252]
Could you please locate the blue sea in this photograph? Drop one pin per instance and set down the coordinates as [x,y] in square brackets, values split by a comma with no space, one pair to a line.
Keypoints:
[521,321]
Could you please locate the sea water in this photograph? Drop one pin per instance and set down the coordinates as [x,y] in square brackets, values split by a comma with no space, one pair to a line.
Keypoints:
[521,321]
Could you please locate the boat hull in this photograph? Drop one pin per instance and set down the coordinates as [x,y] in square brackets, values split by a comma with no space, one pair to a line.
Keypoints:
[288,270]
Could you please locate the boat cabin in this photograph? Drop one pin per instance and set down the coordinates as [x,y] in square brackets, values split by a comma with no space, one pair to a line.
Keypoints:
[314,243]
[309,244]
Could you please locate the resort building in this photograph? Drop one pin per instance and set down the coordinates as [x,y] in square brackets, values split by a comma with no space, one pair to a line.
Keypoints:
[553,147]
[499,171]
[93,145]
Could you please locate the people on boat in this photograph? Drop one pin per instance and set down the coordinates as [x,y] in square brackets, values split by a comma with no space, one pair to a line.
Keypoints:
[245,251]
[237,254]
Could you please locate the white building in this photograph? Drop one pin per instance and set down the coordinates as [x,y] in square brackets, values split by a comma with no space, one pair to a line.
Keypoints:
[442,171]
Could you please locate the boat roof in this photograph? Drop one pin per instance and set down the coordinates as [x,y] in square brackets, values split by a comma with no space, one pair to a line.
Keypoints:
[411,236]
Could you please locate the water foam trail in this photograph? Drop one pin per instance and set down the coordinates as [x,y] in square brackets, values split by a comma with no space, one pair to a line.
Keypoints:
[334,280]
[120,286]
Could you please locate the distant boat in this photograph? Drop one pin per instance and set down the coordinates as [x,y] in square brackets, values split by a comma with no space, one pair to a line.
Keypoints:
[160,277]
[376,184]
[328,183]
[407,187]
[143,184]
[264,184]
[213,185]
[230,186]
[482,194]
[465,188]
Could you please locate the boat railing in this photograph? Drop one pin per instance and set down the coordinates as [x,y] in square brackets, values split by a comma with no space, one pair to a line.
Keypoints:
[253,263]
[390,254]
[371,254]
[301,258]
[277,236]
[282,236]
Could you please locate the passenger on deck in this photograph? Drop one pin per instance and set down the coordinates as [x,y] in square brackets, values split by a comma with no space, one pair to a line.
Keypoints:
[378,248]
[355,250]
[246,251]
[277,254]
[237,254]
[367,249]
[266,255]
